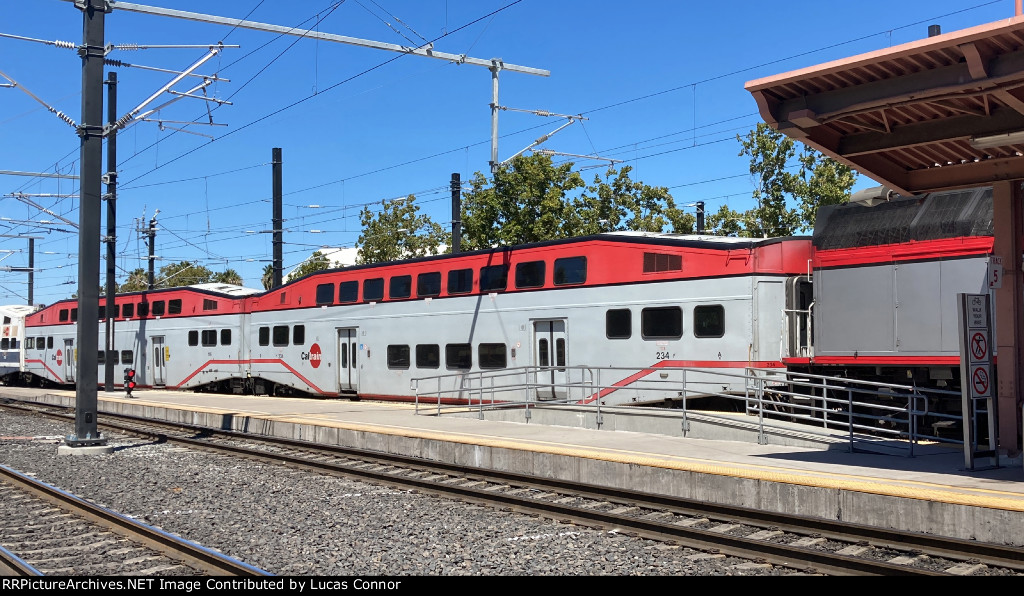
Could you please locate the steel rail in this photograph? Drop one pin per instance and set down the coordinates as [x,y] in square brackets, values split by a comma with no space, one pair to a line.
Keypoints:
[193,554]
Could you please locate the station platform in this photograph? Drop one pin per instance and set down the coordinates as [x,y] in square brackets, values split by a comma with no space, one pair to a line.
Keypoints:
[930,492]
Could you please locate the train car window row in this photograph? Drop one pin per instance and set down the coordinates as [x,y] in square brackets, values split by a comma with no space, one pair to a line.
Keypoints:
[38,343]
[457,356]
[126,356]
[665,322]
[279,335]
[493,278]
[208,337]
[8,344]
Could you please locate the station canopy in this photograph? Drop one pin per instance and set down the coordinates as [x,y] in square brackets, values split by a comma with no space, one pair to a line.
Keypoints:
[944,112]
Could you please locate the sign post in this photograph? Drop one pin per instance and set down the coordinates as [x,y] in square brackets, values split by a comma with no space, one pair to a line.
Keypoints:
[977,379]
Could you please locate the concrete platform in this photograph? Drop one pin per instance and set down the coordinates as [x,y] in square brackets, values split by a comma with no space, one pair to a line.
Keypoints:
[930,492]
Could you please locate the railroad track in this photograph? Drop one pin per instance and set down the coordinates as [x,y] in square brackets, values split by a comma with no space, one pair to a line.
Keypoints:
[808,544]
[47,531]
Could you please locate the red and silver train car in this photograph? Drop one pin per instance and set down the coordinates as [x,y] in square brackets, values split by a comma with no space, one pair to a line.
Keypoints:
[625,300]
[612,300]
[12,339]
[161,334]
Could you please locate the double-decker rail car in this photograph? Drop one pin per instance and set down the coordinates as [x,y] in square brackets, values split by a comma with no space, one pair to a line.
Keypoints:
[626,300]
[177,337]
[631,301]
[12,340]
[885,285]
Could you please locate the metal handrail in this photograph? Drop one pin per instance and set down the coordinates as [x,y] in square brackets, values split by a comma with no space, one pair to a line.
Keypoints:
[829,404]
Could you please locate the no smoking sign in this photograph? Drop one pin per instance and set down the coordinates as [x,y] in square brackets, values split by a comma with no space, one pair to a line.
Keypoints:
[980,380]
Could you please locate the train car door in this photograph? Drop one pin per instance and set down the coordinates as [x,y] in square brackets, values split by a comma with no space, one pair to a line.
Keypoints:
[69,360]
[159,360]
[768,319]
[348,371]
[549,355]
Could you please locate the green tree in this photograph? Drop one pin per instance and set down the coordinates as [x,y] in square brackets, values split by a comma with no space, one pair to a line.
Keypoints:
[398,231]
[769,151]
[822,181]
[620,203]
[727,222]
[182,274]
[137,281]
[819,181]
[525,202]
[267,279]
[228,276]
[316,262]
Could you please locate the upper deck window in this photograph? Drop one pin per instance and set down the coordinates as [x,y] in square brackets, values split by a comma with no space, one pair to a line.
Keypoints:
[325,294]
[209,304]
[570,270]
[373,289]
[400,287]
[493,278]
[158,308]
[428,284]
[460,281]
[129,310]
[530,274]
[174,306]
[348,291]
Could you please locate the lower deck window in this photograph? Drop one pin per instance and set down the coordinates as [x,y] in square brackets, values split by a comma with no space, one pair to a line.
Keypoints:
[428,356]
[458,356]
[709,320]
[398,356]
[661,323]
[493,355]
[618,323]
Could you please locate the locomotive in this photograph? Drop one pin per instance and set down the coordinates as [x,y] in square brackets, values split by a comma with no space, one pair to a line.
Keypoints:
[870,295]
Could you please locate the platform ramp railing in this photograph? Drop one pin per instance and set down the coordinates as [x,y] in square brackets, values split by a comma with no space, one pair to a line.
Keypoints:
[773,400]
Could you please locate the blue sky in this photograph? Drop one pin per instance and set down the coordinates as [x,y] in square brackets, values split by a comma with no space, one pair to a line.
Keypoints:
[659,85]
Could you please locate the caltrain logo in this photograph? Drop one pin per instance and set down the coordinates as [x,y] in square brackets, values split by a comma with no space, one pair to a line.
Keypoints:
[60,358]
[313,355]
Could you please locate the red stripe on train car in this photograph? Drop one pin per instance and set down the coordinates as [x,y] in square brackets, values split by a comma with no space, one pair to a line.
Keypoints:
[258,361]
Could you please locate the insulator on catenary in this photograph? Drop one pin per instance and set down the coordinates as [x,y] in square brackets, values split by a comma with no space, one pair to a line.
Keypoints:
[67,45]
[127,47]
[66,118]
[110,62]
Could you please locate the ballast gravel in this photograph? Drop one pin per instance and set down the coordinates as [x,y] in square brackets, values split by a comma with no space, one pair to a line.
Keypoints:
[291,522]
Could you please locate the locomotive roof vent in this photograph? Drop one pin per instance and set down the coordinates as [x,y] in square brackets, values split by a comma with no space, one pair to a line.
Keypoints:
[869,197]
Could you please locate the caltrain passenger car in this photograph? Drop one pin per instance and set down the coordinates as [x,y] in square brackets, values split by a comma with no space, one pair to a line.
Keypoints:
[177,337]
[627,300]
[12,340]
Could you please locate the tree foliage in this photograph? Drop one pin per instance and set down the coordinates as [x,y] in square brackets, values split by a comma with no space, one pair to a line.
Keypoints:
[228,276]
[183,273]
[532,200]
[316,262]
[137,281]
[788,202]
[267,279]
[398,231]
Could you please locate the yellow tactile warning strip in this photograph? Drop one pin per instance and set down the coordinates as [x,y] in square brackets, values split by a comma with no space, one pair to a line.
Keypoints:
[909,489]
